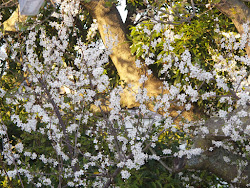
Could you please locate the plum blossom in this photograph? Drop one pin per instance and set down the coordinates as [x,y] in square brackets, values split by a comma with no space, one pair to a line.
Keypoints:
[125,174]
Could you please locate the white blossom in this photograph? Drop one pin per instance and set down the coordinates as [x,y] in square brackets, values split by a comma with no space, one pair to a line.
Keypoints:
[125,174]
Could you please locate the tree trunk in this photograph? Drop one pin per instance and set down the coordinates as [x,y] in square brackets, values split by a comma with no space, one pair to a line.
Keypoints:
[124,61]
[9,25]
[238,12]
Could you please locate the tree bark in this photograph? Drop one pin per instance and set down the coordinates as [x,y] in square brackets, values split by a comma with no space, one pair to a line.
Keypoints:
[238,12]
[124,61]
[9,25]
[214,160]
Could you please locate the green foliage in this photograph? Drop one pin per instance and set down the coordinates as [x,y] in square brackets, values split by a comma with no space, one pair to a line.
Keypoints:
[199,36]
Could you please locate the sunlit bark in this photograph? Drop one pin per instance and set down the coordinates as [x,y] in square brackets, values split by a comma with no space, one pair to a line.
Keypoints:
[10,24]
[238,12]
[124,61]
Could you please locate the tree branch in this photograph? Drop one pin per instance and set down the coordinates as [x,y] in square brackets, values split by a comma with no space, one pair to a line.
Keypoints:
[214,161]
[58,115]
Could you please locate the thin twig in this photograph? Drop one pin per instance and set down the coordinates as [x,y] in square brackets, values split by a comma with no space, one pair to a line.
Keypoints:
[163,164]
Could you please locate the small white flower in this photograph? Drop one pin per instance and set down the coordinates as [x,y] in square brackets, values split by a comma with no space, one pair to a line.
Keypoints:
[34,156]
[28,154]
[125,174]
[167,151]
[19,147]
[71,184]
[222,113]
[226,159]
[2,92]
[47,181]
[183,146]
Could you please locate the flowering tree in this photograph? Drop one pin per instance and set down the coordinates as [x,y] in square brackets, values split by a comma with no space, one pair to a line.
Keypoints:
[87,100]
